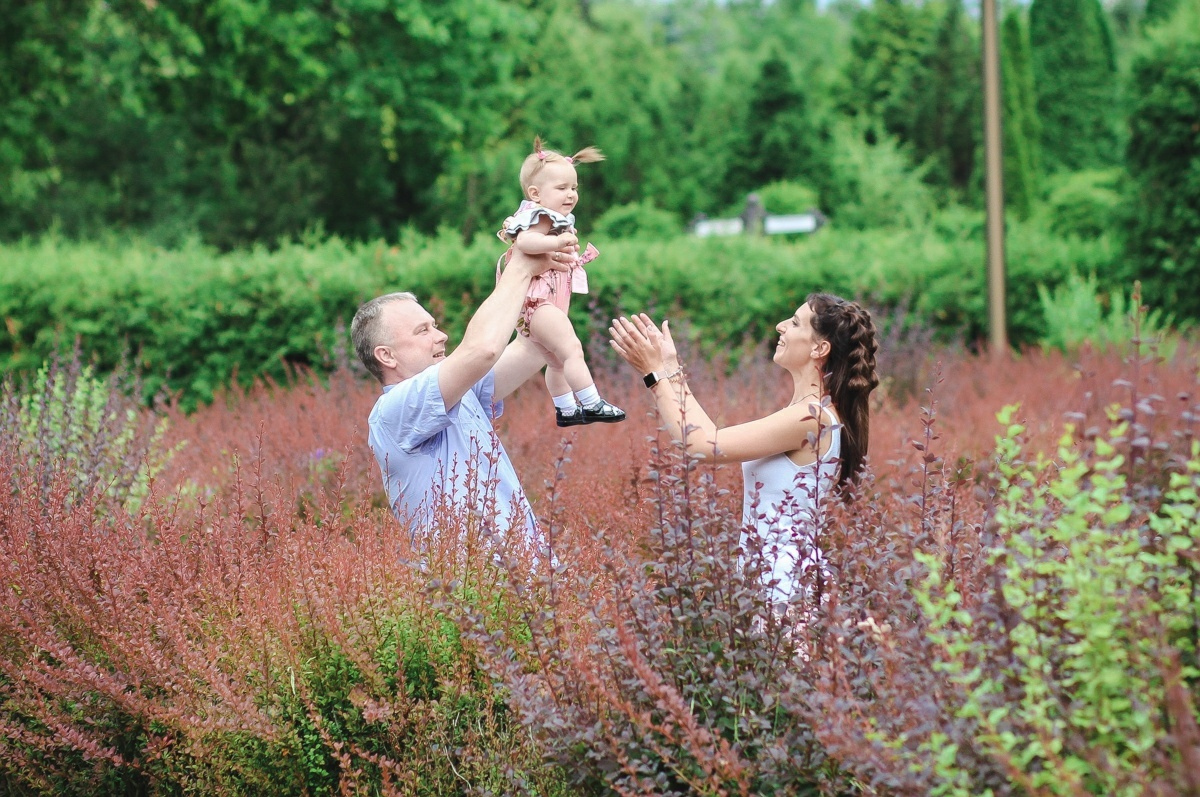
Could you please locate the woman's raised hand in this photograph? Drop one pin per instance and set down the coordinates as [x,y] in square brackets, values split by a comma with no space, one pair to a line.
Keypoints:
[667,346]
[643,345]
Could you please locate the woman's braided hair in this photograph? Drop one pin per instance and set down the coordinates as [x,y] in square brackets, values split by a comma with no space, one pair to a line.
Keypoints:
[537,160]
[849,373]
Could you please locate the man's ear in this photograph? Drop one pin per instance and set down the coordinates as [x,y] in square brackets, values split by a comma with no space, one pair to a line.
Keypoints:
[384,356]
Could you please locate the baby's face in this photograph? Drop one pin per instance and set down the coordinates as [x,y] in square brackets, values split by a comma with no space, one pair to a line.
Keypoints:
[556,187]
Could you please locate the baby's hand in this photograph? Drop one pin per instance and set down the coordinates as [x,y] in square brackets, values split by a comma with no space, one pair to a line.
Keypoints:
[568,242]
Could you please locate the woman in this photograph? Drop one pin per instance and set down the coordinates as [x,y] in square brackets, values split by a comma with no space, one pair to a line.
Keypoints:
[792,457]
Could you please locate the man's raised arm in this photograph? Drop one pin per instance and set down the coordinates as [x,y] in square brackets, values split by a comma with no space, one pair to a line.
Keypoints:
[491,327]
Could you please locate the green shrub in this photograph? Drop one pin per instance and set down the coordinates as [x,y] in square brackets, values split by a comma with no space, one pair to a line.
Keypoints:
[1077,312]
[1084,203]
[874,185]
[1082,688]
[196,321]
[637,220]
[69,423]
[1163,244]
[785,197]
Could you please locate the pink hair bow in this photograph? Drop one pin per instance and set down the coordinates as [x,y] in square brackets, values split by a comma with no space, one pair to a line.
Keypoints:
[541,155]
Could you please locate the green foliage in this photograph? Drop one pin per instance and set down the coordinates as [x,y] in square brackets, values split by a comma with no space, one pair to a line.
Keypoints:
[1097,611]
[1163,243]
[1084,203]
[913,74]
[943,126]
[1158,11]
[785,197]
[1074,69]
[1077,312]
[609,81]
[888,41]
[87,430]
[943,266]
[873,184]
[245,121]
[26,163]
[195,320]
[1022,128]
[781,139]
[637,220]
[192,319]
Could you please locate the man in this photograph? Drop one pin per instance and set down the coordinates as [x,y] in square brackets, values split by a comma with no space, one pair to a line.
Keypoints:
[431,430]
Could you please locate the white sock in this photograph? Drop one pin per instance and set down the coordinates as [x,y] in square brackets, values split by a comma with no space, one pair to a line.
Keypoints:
[589,396]
[566,403]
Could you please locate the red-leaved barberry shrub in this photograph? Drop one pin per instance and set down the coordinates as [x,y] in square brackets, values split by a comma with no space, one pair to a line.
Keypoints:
[260,623]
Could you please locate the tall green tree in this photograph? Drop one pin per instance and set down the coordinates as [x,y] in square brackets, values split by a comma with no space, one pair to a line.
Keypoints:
[614,84]
[888,41]
[1158,11]
[246,120]
[1022,130]
[944,127]
[1163,160]
[39,73]
[1074,68]
[781,139]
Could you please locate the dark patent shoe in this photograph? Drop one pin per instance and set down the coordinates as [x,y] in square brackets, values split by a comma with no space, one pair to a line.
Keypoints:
[575,418]
[603,413]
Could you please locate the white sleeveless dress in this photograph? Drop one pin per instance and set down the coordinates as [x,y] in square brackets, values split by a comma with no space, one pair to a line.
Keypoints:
[780,503]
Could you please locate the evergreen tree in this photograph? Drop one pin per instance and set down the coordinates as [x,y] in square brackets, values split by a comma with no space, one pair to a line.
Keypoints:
[945,101]
[1164,162]
[1022,147]
[888,41]
[1158,11]
[781,141]
[1074,69]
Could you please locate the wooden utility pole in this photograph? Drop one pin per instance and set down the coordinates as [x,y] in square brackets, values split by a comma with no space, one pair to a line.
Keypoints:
[994,166]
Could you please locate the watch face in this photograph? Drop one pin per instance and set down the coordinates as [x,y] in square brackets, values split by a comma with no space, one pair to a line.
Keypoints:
[651,379]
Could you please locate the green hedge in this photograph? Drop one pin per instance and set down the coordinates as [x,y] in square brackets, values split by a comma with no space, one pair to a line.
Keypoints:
[193,320]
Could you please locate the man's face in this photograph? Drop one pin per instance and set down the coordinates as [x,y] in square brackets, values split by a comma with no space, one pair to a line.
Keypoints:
[412,338]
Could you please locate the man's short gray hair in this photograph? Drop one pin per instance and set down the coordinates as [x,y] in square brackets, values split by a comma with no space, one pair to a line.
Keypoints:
[365,330]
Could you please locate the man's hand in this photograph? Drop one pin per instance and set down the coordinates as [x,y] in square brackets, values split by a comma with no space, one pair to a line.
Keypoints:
[539,264]
[490,329]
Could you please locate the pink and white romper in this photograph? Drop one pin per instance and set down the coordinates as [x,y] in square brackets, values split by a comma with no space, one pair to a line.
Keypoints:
[552,287]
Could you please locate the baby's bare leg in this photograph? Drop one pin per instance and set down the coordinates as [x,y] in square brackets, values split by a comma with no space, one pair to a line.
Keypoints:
[551,329]
[556,382]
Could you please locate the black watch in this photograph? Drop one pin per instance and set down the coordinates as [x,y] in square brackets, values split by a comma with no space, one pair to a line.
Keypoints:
[651,379]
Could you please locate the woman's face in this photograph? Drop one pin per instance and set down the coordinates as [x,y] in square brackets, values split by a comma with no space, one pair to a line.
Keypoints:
[798,343]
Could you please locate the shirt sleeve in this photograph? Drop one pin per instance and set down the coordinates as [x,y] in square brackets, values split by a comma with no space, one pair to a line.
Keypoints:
[485,390]
[414,411]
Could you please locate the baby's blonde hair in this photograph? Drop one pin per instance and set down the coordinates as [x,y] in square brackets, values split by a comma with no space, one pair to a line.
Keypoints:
[540,156]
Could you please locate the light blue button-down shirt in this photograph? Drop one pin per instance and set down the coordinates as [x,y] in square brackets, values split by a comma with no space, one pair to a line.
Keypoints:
[435,459]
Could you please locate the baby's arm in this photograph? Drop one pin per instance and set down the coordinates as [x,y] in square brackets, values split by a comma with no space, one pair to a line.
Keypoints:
[537,240]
